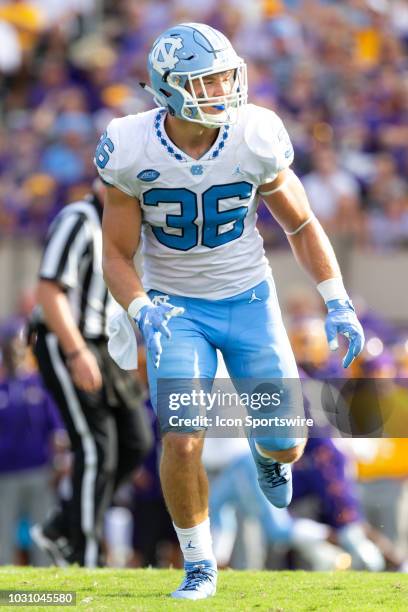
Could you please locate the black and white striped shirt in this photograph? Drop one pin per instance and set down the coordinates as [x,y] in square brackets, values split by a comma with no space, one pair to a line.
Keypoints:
[73,258]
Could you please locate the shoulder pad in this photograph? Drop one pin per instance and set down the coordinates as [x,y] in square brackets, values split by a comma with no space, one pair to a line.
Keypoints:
[266,136]
[127,136]
[120,149]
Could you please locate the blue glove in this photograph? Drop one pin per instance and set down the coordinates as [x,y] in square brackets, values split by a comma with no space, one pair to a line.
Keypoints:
[152,322]
[342,319]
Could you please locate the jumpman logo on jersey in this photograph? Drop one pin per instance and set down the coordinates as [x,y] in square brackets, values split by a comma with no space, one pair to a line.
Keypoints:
[237,171]
[254,297]
[160,299]
[189,545]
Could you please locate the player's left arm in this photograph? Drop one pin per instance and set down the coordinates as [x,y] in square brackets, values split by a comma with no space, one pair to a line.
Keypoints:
[286,199]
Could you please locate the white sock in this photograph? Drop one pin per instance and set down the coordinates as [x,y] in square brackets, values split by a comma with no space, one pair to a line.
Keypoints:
[196,542]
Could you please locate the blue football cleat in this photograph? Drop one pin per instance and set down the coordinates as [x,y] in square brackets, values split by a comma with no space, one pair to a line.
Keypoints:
[200,581]
[275,479]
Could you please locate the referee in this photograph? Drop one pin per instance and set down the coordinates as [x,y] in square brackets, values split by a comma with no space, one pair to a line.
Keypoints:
[102,405]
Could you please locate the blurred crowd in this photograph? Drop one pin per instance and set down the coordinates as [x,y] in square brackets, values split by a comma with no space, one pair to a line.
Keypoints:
[67,68]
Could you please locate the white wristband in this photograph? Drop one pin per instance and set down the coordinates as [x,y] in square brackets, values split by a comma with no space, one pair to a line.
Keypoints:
[332,289]
[136,305]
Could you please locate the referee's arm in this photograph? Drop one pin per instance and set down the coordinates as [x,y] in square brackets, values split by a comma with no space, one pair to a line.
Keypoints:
[57,275]
[58,316]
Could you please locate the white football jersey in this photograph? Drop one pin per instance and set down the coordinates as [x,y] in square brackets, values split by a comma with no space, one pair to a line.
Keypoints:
[199,235]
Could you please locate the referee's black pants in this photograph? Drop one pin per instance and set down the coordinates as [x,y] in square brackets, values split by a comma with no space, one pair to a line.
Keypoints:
[109,433]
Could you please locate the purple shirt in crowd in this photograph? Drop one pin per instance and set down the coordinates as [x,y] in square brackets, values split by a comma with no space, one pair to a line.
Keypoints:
[28,418]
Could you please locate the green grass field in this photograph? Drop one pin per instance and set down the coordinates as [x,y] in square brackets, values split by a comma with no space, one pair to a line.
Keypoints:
[133,590]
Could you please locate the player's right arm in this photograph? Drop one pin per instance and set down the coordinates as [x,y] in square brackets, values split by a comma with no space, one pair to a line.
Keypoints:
[121,227]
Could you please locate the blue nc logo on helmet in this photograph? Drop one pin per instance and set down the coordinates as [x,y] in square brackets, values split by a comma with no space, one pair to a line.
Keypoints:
[148,175]
[163,54]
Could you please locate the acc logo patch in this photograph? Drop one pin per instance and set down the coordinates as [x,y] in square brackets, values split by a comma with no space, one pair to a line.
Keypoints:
[148,175]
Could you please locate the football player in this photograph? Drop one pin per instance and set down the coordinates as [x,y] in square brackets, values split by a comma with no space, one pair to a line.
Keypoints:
[185,179]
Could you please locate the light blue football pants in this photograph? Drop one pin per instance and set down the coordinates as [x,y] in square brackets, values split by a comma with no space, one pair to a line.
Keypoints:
[249,332]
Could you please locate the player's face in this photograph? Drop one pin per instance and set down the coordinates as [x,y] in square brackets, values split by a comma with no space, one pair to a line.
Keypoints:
[213,86]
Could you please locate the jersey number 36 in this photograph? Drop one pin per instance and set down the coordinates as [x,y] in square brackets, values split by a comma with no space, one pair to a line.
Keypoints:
[213,219]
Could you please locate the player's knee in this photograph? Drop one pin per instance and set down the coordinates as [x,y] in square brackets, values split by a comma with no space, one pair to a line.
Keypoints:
[182,447]
[292,454]
[288,455]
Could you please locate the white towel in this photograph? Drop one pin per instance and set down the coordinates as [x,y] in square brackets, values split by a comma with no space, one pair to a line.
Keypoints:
[122,343]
